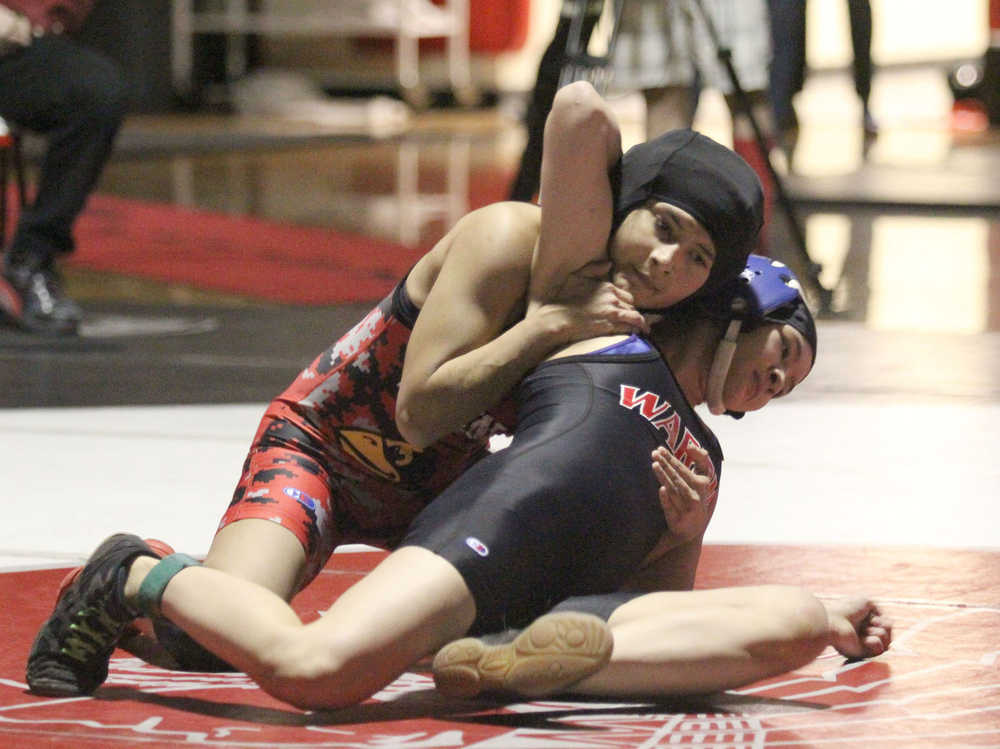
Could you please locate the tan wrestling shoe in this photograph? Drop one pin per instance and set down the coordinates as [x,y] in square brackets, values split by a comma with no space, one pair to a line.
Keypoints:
[552,653]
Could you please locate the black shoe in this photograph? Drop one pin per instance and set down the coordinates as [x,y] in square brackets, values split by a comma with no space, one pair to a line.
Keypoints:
[71,651]
[32,297]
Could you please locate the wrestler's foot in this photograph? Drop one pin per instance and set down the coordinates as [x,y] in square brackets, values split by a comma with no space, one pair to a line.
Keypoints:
[160,548]
[552,653]
[858,628]
[71,651]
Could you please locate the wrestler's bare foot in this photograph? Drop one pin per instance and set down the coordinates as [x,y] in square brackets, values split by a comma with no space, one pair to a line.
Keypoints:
[552,653]
[858,628]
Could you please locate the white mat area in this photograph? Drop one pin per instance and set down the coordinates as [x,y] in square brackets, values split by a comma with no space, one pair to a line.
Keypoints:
[826,472]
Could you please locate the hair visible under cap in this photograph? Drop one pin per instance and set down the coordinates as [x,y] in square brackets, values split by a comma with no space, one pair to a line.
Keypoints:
[797,315]
[706,179]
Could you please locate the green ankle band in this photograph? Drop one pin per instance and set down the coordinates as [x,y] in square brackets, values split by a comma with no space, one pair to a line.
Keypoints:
[152,587]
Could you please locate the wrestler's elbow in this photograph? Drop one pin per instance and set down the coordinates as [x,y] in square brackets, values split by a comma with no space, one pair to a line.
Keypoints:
[578,107]
[416,428]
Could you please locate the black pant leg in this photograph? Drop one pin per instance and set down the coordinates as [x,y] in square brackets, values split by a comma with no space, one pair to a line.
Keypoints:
[76,98]
[861,42]
[788,64]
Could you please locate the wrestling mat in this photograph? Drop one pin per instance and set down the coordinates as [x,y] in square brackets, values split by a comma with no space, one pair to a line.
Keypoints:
[938,686]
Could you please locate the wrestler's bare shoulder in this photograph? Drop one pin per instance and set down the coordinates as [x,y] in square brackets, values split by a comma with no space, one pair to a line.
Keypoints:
[499,234]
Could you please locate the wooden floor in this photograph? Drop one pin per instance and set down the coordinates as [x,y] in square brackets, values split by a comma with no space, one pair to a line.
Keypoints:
[880,474]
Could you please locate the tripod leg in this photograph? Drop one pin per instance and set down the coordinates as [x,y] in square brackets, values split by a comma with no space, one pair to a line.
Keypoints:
[811,268]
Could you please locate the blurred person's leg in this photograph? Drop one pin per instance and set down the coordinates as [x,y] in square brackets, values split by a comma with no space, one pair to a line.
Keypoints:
[668,108]
[77,99]
[653,55]
[788,63]
[861,41]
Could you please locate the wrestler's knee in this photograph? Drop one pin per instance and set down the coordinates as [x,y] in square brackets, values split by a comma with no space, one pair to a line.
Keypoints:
[315,675]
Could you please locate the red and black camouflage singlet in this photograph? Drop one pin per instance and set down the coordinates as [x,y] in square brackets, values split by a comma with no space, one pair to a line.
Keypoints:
[328,461]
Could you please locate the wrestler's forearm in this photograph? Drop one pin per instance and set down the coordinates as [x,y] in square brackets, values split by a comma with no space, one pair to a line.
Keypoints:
[671,569]
[582,142]
[462,388]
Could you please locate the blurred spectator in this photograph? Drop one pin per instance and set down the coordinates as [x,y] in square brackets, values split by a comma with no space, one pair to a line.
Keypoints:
[76,98]
[788,31]
[668,51]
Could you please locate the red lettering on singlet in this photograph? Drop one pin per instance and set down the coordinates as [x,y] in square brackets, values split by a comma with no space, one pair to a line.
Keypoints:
[649,404]
[671,425]
[678,439]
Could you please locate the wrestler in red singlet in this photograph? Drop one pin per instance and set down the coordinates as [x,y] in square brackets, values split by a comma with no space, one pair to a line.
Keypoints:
[328,462]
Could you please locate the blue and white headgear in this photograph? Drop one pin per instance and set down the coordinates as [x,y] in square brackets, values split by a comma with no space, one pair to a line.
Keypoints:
[765,292]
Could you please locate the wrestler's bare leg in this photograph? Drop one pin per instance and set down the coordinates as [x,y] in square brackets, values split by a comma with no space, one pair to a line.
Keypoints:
[261,551]
[407,607]
[697,642]
[667,108]
[258,551]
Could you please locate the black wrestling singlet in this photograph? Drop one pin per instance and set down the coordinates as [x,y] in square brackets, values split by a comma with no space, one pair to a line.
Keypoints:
[570,507]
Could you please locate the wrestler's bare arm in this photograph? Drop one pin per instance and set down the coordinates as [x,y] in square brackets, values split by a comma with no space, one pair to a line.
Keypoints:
[471,343]
[668,567]
[582,142]
[458,363]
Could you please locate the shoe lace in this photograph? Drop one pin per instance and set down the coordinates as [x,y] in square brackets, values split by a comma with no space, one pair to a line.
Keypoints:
[92,630]
[45,285]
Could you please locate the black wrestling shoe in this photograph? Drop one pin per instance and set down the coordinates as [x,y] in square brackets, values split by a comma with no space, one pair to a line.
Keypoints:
[32,297]
[71,651]
[552,653]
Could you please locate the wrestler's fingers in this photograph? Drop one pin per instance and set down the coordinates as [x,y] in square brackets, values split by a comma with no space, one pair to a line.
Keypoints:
[880,627]
[875,645]
[665,479]
[634,319]
[701,459]
[670,512]
[880,620]
[681,494]
[659,469]
[668,491]
[668,457]
[682,477]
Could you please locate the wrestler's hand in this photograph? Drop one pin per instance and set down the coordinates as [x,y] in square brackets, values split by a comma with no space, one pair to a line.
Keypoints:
[858,629]
[590,305]
[684,492]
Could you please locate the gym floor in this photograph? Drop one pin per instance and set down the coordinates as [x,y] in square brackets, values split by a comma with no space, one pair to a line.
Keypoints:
[880,472]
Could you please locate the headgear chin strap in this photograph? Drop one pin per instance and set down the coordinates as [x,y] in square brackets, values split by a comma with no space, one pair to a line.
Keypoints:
[720,367]
[766,291]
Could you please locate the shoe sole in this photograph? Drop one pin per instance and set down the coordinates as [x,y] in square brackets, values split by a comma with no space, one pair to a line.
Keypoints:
[555,651]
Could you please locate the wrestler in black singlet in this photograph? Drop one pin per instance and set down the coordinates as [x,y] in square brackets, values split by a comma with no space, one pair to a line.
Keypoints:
[570,508]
